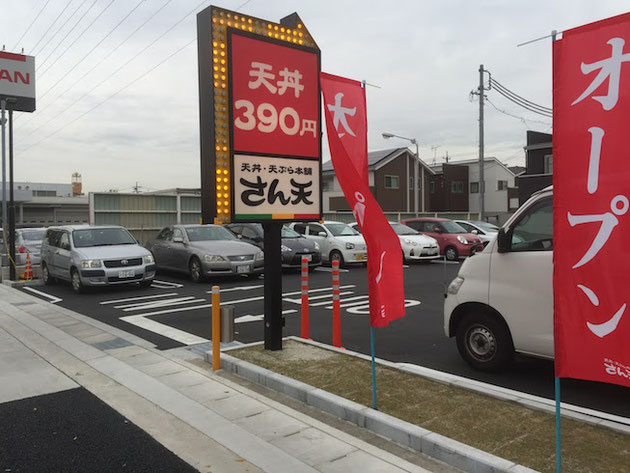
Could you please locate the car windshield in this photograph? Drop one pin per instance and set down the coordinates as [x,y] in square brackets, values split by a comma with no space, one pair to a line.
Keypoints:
[209,233]
[34,235]
[289,233]
[340,229]
[488,227]
[102,237]
[452,227]
[401,229]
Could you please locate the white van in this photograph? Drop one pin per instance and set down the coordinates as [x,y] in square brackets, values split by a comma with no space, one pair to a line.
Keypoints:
[502,299]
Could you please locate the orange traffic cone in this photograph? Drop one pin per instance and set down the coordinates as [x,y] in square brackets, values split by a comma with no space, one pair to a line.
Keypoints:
[28,269]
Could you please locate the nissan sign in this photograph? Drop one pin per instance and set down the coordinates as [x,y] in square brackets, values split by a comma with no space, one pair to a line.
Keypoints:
[17,81]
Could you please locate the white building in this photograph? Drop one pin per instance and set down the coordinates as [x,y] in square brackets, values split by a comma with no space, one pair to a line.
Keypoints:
[498,179]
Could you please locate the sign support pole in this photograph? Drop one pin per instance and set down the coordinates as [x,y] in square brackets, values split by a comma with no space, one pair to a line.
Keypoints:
[558,437]
[374,406]
[11,239]
[3,106]
[273,286]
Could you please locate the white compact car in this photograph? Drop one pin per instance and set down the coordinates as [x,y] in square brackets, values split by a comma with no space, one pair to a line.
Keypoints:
[336,240]
[484,230]
[415,246]
[502,299]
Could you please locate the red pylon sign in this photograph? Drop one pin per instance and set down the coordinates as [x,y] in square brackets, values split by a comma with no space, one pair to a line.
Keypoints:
[28,269]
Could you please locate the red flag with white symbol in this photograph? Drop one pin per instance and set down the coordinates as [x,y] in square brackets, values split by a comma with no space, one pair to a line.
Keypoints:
[591,173]
[346,124]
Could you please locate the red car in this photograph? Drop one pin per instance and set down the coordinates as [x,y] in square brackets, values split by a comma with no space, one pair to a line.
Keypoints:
[454,241]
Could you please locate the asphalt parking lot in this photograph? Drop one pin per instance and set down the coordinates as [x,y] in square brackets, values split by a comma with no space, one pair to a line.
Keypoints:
[175,311]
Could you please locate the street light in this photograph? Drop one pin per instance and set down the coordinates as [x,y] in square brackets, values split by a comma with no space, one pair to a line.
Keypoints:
[415,172]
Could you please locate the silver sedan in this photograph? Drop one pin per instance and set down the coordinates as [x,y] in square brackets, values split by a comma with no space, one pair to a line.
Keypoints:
[205,250]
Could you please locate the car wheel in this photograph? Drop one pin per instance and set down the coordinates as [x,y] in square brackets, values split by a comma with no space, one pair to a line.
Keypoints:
[484,341]
[451,253]
[404,258]
[146,283]
[336,255]
[75,280]
[46,277]
[194,267]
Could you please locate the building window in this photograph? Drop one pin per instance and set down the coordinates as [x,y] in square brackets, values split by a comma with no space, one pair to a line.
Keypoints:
[37,193]
[391,182]
[502,185]
[327,185]
[457,187]
[432,187]
[548,164]
[411,183]
[474,188]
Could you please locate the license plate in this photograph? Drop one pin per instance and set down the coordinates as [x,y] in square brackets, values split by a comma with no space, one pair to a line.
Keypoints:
[242,269]
[126,274]
[360,256]
[308,257]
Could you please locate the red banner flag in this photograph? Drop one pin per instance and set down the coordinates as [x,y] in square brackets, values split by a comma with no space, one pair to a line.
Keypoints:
[591,172]
[346,124]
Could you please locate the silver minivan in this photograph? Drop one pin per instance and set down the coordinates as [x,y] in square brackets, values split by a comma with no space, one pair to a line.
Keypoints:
[95,256]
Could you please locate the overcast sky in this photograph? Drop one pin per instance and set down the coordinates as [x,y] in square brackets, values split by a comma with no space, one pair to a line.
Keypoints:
[424,55]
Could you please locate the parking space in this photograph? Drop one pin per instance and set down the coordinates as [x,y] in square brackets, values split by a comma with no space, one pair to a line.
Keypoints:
[175,312]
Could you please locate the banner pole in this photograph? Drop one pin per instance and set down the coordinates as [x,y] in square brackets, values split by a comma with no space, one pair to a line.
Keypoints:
[374,405]
[558,438]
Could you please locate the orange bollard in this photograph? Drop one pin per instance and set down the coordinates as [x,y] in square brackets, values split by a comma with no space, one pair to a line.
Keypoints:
[216,328]
[304,322]
[336,306]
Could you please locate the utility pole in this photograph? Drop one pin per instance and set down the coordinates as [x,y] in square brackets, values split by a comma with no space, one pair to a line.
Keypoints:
[482,187]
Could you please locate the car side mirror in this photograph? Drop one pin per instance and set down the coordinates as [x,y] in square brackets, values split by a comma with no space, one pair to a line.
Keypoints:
[475,232]
[322,234]
[239,236]
[178,240]
[503,241]
[437,230]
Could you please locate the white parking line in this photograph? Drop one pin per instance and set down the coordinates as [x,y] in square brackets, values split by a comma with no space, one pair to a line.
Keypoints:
[237,301]
[165,284]
[53,299]
[116,301]
[324,296]
[164,330]
[365,309]
[256,318]
[164,303]
[240,288]
[341,301]
[326,269]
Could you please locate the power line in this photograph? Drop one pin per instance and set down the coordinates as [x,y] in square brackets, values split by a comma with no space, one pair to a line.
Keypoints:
[95,46]
[524,120]
[123,66]
[77,38]
[517,99]
[112,51]
[51,25]
[29,26]
[521,104]
[111,96]
[67,34]
[496,83]
[137,79]
[35,53]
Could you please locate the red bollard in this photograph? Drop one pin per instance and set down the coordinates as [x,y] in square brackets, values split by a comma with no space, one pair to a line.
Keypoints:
[336,337]
[304,330]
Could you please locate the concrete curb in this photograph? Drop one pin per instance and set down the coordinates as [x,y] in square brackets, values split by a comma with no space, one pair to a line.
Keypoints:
[450,451]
